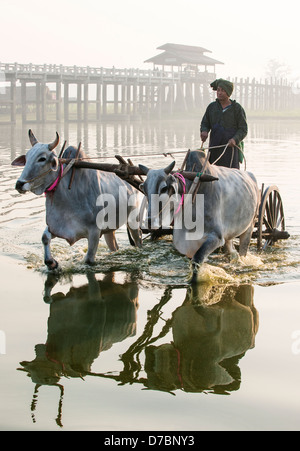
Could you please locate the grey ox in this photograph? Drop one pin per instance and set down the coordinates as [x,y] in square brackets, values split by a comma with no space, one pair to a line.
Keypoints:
[230,207]
[71,214]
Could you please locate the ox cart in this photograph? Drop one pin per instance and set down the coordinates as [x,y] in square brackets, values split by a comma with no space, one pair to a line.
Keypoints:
[270,222]
[269,225]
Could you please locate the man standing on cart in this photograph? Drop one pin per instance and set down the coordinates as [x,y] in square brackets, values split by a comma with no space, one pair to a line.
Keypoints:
[226,121]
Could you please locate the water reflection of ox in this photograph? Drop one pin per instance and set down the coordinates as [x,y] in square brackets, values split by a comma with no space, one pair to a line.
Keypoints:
[83,323]
[210,332]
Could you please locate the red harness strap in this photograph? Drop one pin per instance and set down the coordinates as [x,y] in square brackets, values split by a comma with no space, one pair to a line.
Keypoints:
[56,181]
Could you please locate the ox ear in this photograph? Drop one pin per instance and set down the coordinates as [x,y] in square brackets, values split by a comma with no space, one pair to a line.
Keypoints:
[172,183]
[141,187]
[169,168]
[32,138]
[144,169]
[20,161]
[54,162]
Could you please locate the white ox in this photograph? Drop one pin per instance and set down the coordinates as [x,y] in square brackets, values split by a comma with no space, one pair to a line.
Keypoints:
[230,207]
[72,213]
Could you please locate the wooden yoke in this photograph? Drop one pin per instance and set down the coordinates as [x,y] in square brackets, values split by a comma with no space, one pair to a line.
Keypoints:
[127,171]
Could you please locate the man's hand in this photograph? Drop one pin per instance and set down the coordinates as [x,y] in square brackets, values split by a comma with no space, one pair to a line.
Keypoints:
[203,136]
[232,142]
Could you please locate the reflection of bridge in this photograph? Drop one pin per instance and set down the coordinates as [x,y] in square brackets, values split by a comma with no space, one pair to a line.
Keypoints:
[45,93]
[50,92]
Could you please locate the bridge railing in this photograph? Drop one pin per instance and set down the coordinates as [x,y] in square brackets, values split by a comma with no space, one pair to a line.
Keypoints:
[21,70]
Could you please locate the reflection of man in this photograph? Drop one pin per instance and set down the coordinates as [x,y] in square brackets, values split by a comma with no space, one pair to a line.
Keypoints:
[208,342]
[225,119]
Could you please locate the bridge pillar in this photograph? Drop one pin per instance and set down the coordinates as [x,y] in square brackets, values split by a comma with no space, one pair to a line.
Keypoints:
[86,102]
[104,99]
[58,102]
[116,98]
[98,102]
[13,99]
[79,100]
[66,102]
[23,101]
[180,102]
[123,99]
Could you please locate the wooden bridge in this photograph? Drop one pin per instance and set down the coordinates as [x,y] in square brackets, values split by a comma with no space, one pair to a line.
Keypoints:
[47,93]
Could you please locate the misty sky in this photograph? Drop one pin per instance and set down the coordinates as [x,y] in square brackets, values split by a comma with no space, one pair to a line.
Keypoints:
[124,33]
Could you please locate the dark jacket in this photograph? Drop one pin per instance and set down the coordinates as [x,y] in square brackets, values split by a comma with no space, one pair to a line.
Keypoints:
[233,118]
[223,126]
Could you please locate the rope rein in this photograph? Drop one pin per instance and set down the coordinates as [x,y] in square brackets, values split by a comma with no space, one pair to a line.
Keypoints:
[62,172]
[164,154]
[39,176]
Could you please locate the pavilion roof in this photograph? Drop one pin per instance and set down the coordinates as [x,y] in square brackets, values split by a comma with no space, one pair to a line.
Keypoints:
[177,54]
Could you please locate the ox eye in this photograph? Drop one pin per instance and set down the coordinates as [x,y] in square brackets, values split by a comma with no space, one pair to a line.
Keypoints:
[164,189]
[41,160]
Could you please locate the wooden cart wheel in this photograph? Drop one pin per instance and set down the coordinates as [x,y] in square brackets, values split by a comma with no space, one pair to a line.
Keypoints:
[270,223]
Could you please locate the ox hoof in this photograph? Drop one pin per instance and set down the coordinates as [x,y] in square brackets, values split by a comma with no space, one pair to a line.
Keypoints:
[194,278]
[51,264]
[89,262]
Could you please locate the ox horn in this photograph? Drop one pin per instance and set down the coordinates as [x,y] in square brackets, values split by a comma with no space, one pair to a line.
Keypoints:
[169,168]
[54,143]
[32,138]
[144,169]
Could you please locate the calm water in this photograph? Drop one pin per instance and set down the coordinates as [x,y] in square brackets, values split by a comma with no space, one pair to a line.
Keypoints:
[129,345]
